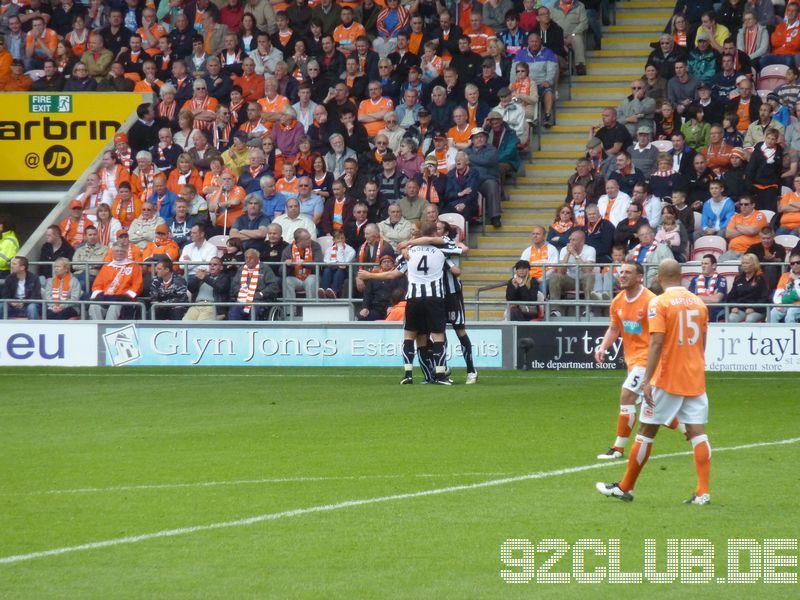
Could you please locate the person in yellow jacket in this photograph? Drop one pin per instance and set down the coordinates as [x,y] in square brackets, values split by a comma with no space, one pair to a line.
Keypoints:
[9,245]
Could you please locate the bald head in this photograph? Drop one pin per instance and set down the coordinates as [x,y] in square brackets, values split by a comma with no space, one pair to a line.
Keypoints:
[669,273]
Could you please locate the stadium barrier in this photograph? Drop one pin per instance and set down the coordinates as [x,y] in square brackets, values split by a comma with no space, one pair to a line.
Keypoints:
[542,346]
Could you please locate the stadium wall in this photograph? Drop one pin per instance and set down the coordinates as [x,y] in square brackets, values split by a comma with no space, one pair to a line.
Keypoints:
[761,348]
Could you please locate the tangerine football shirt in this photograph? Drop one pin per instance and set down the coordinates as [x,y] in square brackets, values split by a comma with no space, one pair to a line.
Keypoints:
[629,316]
[683,319]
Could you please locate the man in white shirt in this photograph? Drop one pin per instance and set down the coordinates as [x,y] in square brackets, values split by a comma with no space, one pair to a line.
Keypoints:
[613,205]
[563,279]
[292,220]
[199,251]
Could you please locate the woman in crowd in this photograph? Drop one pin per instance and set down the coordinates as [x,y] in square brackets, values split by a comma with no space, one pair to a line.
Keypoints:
[562,226]
[749,287]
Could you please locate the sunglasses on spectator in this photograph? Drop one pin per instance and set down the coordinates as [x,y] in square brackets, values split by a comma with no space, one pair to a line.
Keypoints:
[745,204]
[636,87]
[795,262]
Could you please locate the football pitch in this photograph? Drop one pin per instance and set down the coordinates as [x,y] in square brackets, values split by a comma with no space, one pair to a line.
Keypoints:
[339,483]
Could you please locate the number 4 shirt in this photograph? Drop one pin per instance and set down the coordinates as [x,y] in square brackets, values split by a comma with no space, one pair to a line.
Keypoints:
[683,319]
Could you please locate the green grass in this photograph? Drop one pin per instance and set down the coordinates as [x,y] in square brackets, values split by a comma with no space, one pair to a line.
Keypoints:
[364,437]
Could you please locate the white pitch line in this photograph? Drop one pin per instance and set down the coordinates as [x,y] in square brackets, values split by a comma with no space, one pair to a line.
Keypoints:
[234,482]
[349,504]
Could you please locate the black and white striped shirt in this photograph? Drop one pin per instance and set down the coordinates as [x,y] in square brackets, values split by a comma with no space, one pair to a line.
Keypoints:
[424,268]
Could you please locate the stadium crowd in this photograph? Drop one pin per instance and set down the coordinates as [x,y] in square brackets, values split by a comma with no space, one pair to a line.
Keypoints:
[275,125]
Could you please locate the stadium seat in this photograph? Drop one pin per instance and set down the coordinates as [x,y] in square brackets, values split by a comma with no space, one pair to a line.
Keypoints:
[219,241]
[698,220]
[688,272]
[769,214]
[325,242]
[788,241]
[458,222]
[709,244]
[763,95]
[786,190]
[771,77]
[729,272]
[662,145]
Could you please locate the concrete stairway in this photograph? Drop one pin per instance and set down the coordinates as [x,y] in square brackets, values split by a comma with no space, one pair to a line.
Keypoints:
[542,187]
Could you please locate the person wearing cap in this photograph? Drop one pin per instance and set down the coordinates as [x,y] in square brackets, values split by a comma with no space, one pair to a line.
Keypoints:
[637,110]
[422,133]
[390,180]
[432,183]
[780,113]
[17,80]
[505,139]
[512,114]
[489,82]
[757,130]
[445,155]
[73,228]
[735,176]
[703,59]
[543,71]
[644,155]
[713,108]
[593,183]
[142,229]
[523,288]
[600,163]
[161,245]
[484,159]
[132,251]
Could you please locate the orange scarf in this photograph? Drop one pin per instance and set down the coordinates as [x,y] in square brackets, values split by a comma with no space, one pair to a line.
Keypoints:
[300,271]
[701,289]
[362,254]
[247,286]
[80,226]
[61,286]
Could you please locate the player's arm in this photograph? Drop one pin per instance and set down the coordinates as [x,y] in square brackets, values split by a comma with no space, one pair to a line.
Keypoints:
[382,276]
[653,358]
[612,334]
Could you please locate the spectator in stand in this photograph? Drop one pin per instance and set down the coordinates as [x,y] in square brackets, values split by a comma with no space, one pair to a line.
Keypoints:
[55,246]
[142,230]
[251,226]
[637,110]
[613,205]
[51,81]
[787,293]
[180,226]
[292,220]
[599,233]
[717,212]
[337,210]
[699,178]
[543,71]
[734,179]
[764,171]
[682,89]
[788,92]
[785,40]
[757,131]
[649,253]
[73,228]
[90,251]
[724,82]
[613,134]
[168,287]
[743,228]
[709,286]
[582,258]
[682,155]
[161,246]
[118,281]
[562,226]
[703,59]
[789,210]
[655,86]
[62,287]
[20,285]
[483,158]
[512,113]
[378,293]
[303,250]
[18,80]
[578,202]
[40,43]
[713,108]
[625,174]
[593,183]
[333,277]
[749,287]
[771,253]
[254,282]
[695,130]
[644,155]
[717,153]
[665,56]
[571,16]
[502,137]
[672,233]
[666,179]
[745,105]
[539,255]
[395,228]
[273,250]
[522,288]
[199,251]
[627,230]
[208,286]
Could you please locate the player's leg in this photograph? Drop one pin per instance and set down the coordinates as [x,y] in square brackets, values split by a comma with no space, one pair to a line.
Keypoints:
[408,357]
[425,357]
[626,418]
[437,321]
[695,414]
[665,408]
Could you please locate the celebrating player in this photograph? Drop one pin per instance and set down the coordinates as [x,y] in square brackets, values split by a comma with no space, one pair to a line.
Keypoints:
[675,382]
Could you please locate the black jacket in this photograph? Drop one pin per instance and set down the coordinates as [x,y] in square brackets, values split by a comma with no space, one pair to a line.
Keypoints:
[33,289]
[221,284]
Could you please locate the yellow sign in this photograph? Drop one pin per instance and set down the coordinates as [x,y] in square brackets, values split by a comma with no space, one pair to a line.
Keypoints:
[55,137]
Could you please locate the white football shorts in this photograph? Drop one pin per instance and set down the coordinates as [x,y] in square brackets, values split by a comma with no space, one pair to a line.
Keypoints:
[690,410]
